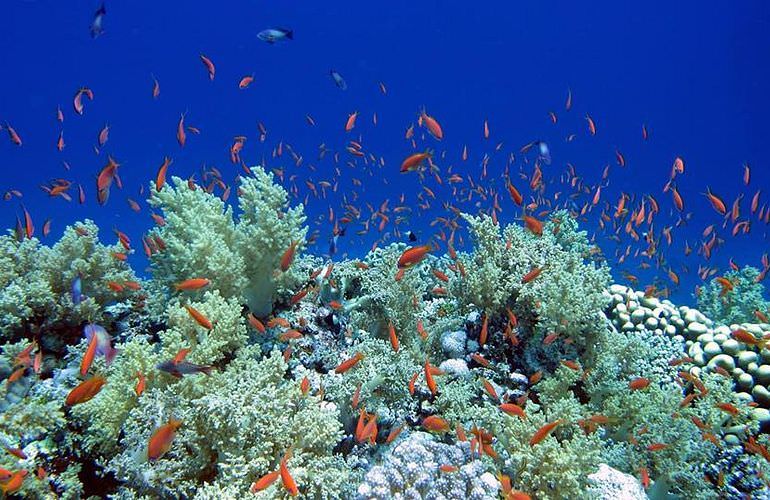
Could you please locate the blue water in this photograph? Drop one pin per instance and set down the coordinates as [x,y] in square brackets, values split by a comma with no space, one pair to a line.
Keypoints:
[694,72]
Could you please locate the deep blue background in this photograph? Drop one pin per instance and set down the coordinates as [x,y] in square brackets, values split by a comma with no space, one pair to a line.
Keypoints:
[695,72]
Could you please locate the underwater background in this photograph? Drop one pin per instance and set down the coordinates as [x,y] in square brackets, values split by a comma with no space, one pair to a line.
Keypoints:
[384,250]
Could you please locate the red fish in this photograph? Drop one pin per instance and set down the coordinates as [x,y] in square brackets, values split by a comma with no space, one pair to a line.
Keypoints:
[85,390]
[181,135]
[534,225]
[351,121]
[639,383]
[245,81]
[264,481]
[349,363]
[192,284]
[141,383]
[716,202]
[12,134]
[199,317]
[435,423]
[433,126]
[414,161]
[209,66]
[161,439]
[88,357]
[160,179]
[288,256]
[413,256]
[393,337]
[544,432]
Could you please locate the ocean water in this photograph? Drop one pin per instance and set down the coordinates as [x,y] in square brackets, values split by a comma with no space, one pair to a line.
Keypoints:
[691,74]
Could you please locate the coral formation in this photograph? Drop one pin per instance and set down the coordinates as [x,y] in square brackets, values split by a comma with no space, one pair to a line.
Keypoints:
[514,368]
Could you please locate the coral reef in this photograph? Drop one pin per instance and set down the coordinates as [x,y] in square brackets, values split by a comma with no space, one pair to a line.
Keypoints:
[200,238]
[515,368]
[412,469]
[734,297]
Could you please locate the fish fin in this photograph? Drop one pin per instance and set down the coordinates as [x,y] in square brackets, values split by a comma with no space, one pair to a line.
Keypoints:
[289,34]
[207,369]
[110,355]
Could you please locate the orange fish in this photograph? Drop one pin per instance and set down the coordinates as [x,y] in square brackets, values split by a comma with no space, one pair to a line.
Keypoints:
[155,88]
[534,273]
[435,423]
[413,256]
[141,383]
[264,481]
[413,162]
[716,202]
[433,126]
[534,225]
[639,383]
[349,363]
[104,136]
[393,337]
[160,179]
[286,478]
[544,431]
[742,335]
[181,135]
[288,256]
[12,134]
[85,390]
[256,323]
[245,81]
[192,284]
[513,410]
[13,483]
[678,202]
[591,125]
[429,380]
[161,439]
[483,332]
[199,317]
[209,66]
[515,194]
[351,121]
[88,357]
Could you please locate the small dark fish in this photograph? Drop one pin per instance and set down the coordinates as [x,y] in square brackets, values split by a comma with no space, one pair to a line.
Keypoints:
[96,25]
[182,368]
[333,245]
[412,237]
[77,290]
[338,80]
[272,35]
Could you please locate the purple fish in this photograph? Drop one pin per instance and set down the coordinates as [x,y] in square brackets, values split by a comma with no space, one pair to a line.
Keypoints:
[77,290]
[183,368]
[103,341]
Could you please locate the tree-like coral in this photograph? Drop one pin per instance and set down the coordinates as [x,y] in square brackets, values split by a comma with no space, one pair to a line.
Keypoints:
[36,281]
[566,291]
[200,238]
[736,302]
[236,427]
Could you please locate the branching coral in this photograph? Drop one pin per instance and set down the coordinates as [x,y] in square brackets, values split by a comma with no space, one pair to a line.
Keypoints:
[237,424]
[201,239]
[736,303]
[567,295]
[36,280]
